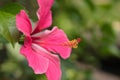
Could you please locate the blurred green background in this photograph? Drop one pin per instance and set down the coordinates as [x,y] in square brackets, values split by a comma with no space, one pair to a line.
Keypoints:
[96,22]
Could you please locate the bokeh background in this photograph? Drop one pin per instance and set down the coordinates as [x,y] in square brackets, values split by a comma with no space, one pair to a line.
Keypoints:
[96,22]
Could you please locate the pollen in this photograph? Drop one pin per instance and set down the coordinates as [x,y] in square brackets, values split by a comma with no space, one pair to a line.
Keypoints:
[73,43]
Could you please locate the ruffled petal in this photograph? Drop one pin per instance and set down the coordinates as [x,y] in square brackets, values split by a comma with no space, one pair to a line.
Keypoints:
[38,62]
[23,23]
[53,71]
[52,41]
[44,15]
[45,5]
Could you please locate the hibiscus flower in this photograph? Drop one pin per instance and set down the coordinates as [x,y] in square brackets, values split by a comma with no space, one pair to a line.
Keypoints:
[41,47]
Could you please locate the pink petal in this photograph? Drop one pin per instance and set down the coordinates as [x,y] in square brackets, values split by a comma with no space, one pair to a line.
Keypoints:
[45,4]
[38,62]
[27,41]
[52,41]
[23,23]
[44,15]
[54,71]
[44,7]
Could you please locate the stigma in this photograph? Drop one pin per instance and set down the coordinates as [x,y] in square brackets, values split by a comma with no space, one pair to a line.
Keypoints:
[73,43]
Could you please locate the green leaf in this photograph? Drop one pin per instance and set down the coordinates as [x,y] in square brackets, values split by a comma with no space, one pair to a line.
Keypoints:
[12,8]
[90,4]
[8,29]
[3,40]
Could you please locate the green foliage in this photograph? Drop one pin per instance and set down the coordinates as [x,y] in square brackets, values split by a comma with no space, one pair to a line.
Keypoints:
[92,21]
[8,31]
[72,71]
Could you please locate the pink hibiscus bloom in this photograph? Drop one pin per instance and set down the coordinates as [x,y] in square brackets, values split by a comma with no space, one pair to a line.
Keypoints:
[39,44]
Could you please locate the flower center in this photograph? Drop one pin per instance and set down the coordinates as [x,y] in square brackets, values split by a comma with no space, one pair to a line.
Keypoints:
[73,43]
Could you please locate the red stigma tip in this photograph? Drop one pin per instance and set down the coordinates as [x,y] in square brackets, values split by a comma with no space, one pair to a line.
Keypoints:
[78,40]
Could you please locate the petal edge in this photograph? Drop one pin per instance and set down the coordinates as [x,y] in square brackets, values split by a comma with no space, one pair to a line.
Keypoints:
[23,23]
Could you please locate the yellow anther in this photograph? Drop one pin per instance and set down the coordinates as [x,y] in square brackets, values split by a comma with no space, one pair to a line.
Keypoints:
[73,43]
